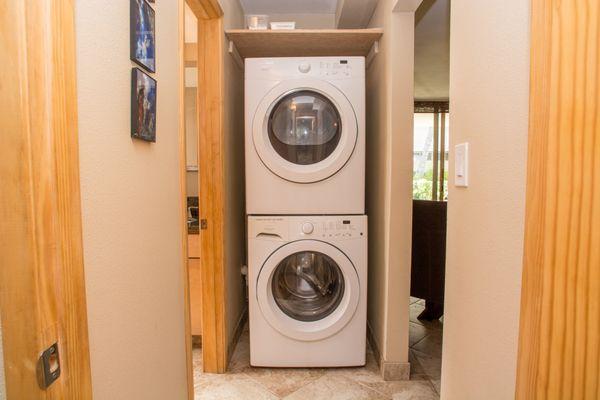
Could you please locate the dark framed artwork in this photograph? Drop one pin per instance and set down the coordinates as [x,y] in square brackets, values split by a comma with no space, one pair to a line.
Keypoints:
[143,106]
[142,47]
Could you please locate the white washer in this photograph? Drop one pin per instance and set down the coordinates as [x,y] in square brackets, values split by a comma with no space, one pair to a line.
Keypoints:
[307,290]
[305,135]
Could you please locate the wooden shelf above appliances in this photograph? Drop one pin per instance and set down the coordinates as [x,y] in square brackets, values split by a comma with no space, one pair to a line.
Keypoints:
[304,42]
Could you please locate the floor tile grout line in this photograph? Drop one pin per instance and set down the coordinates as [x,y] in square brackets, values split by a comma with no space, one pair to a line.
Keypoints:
[433,386]
[369,388]
[275,394]
[428,380]
[427,354]
[418,341]
[427,326]
[429,377]
[305,385]
[261,385]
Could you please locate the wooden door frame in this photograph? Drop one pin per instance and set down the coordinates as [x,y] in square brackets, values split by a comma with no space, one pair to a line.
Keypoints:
[559,341]
[212,186]
[208,58]
[42,287]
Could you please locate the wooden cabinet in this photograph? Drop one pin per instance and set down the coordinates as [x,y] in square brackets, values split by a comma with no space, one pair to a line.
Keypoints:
[195,283]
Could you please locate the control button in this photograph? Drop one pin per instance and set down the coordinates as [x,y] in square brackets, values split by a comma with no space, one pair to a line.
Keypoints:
[304,67]
[307,228]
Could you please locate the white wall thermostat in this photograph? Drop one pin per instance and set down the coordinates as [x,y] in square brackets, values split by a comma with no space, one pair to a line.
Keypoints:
[461,165]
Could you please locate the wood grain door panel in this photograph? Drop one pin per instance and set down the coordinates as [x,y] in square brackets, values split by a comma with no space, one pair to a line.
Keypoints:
[559,344]
[42,293]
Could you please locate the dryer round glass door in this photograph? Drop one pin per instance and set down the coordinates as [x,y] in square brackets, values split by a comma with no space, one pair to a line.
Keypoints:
[308,290]
[304,130]
[304,127]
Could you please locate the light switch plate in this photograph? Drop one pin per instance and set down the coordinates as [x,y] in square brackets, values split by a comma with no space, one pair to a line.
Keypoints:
[461,165]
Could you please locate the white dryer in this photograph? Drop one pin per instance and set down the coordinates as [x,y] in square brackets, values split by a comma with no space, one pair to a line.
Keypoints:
[307,290]
[305,135]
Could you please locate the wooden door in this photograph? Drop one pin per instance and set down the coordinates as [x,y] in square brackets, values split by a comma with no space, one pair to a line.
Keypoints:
[559,345]
[208,58]
[42,294]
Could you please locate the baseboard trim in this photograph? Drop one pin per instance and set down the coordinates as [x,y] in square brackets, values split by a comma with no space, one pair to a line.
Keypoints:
[395,371]
[390,371]
[239,328]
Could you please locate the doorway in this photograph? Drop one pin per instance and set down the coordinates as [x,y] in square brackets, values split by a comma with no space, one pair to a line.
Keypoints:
[207,191]
[430,195]
[201,128]
[431,133]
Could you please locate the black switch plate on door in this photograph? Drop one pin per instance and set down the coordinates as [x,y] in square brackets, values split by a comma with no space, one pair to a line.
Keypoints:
[48,366]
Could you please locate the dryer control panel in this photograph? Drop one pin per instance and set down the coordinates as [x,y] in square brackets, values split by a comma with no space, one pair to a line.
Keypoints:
[332,69]
[327,68]
[289,228]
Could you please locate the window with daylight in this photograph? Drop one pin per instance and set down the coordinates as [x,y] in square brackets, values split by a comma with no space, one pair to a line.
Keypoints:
[430,151]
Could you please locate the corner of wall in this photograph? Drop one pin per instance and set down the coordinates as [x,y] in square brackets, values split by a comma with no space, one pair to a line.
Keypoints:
[389,189]
[235,222]
[489,70]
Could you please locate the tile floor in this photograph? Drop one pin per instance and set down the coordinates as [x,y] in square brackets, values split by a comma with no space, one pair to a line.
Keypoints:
[425,342]
[245,382]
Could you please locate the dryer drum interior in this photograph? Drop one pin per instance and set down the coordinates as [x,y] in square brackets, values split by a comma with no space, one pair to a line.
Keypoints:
[308,285]
[304,127]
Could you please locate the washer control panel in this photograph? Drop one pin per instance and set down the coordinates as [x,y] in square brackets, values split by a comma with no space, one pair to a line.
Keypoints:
[342,228]
[289,228]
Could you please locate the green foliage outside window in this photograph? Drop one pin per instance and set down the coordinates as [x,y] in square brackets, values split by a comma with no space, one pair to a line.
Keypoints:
[423,185]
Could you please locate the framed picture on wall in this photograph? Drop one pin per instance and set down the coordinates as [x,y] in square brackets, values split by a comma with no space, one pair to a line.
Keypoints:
[143,106]
[142,46]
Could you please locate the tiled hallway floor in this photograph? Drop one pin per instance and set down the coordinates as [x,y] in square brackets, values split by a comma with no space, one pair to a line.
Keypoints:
[425,341]
[245,382]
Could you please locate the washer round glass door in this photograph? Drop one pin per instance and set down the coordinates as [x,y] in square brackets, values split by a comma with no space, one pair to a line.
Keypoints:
[305,130]
[308,290]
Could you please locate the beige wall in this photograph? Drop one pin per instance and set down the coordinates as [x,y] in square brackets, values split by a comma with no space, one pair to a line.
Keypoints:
[131,210]
[376,178]
[235,248]
[389,177]
[305,21]
[354,14]
[489,70]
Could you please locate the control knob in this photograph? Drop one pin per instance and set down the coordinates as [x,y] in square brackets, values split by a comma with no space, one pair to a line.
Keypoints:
[304,67]
[307,228]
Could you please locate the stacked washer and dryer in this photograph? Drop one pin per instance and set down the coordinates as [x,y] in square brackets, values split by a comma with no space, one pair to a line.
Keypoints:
[305,200]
